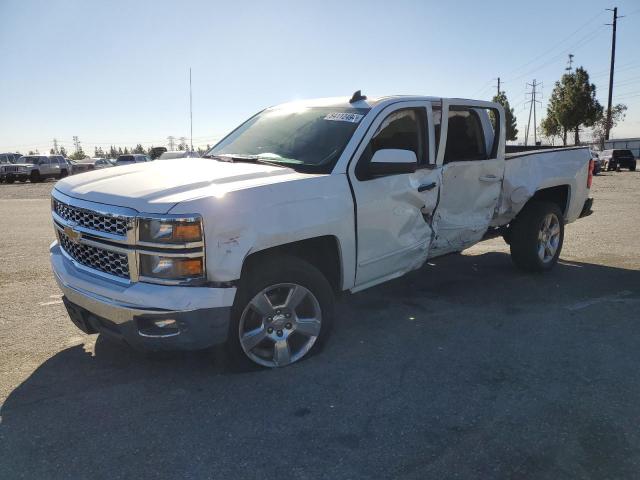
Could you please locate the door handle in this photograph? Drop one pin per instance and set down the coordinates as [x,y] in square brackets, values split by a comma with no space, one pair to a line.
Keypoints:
[427,186]
[489,178]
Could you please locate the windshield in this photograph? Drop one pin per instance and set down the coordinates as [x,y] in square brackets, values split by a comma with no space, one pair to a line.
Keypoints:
[307,139]
[126,159]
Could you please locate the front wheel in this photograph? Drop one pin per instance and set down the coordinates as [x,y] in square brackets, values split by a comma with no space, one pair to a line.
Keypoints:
[537,235]
[283,310]
[35,177]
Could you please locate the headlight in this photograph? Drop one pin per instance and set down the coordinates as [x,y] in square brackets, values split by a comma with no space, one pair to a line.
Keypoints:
[170,231]
[171,268]
[22,169]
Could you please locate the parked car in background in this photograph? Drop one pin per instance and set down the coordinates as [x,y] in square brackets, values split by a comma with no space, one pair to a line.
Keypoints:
[178,154]
[612,159]
[155,152]
[597,164]
[88,164]
[132,158]
[37,168]
[7,159]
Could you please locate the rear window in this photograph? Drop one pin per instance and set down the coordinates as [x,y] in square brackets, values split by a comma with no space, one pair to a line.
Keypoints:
[126,158]
[622,153]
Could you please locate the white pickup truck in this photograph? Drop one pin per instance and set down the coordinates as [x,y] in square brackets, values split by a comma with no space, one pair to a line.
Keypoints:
[249,244]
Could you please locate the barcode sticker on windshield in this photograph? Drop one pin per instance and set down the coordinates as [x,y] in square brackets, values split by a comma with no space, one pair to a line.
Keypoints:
[344,117]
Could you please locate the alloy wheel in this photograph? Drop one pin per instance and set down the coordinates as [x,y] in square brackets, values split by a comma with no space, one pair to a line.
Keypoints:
[280,325]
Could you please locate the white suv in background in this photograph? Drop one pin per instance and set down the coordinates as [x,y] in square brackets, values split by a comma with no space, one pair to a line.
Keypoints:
[37,168]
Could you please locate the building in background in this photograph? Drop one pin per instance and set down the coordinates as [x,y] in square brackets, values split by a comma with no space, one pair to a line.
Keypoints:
[632,144]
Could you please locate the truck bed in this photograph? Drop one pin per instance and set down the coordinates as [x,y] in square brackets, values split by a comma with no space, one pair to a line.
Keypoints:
[530,171]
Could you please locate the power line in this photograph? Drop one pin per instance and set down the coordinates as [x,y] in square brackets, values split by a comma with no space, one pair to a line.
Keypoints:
[579,44]
[557,44]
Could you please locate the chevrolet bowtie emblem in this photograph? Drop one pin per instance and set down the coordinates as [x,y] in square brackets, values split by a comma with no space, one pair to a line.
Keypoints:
[72,234]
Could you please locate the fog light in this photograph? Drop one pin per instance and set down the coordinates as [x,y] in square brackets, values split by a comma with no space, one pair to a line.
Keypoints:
[168,323]
[157,328]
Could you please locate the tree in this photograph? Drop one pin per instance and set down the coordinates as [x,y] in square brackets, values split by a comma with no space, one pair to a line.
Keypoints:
[113,153]
[550,128]
[573,104]
[78,155]
[509,117]
[63,151]
[139,149]
[618,112]
[52,152]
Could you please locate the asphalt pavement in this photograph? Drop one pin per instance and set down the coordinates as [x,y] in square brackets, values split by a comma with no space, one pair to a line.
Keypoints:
[467,368]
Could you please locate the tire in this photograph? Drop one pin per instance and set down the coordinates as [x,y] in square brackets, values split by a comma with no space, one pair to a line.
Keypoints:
[35,177]
[284,333]
[10,179]
[534,247]
[63,173]
[632,167]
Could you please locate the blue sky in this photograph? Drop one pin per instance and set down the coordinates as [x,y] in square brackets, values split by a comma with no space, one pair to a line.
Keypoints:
[117,72]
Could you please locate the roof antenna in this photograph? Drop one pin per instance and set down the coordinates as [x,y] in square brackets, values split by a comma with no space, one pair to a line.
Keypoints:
[357,96]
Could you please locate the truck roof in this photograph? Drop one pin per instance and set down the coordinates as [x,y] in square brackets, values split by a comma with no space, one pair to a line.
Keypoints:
[369,102]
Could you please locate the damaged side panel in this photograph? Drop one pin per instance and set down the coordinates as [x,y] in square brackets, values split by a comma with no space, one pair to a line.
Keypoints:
[526,174]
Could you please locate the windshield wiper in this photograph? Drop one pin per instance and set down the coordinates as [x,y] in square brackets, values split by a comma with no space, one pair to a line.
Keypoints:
[221,158]
[230,157]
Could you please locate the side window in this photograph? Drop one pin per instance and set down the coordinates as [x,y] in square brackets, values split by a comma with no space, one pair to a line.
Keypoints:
[43,161]
[465,136]
[404,130]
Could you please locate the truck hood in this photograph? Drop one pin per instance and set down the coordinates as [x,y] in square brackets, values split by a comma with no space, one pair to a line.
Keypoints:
[155,187]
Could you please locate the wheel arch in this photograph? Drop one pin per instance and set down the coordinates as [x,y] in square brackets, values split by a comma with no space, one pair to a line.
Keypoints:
[323,252]
[558,194]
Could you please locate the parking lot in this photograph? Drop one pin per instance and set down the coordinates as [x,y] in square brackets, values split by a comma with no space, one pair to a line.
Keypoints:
[466,368]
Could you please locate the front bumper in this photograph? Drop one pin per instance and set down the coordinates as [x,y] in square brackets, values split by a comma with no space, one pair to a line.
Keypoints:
[193,317]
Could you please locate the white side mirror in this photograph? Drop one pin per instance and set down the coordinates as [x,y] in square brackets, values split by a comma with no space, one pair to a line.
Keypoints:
[391,161]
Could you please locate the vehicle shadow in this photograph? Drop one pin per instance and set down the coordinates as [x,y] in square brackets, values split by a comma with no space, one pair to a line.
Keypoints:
[465,365]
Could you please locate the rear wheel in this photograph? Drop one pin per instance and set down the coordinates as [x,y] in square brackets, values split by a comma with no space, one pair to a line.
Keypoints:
[632,167]
[536,237]
[63,174]
[283,310]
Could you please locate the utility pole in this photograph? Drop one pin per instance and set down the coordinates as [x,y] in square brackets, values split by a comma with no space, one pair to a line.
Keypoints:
[190,111]
[570,63]
[613,61]
[498,86]
[55,145]
[183,142]
[532,109]
[171,143]
[76,143]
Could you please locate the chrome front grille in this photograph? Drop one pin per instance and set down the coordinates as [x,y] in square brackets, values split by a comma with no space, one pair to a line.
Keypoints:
[115,225]
[106,261]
